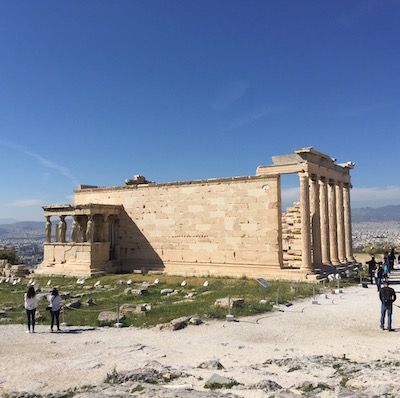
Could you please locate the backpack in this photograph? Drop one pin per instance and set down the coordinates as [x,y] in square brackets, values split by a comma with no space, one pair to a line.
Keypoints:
[387,296]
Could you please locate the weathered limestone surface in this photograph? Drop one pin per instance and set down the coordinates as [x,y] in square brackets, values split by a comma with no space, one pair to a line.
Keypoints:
[184,228]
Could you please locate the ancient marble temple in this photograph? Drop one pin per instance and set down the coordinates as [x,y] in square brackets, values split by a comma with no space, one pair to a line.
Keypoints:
[226,226]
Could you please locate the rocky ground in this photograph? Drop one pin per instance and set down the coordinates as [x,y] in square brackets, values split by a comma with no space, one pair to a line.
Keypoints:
[327,346]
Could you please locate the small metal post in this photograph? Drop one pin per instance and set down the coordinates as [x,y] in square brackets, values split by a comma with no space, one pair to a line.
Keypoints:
[229,317]
[63,323]
[118,324]
[314,299]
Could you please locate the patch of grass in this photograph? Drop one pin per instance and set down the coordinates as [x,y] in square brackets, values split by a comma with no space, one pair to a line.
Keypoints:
[112,377]
[319,386]
[344,381]
[138,388]
[216,386]
[194,299]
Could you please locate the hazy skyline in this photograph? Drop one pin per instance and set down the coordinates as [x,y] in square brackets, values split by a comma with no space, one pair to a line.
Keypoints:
[97,91]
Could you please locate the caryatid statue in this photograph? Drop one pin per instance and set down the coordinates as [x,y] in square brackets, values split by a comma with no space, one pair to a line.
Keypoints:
[76,231]
[90,230]
[48,229]
[61,229]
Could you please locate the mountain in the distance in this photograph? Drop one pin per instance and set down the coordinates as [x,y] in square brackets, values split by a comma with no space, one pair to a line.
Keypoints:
[7,221]
[22,225]
[361,214]
[378,214]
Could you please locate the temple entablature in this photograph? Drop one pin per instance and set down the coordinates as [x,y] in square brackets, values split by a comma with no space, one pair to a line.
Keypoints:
[308,160]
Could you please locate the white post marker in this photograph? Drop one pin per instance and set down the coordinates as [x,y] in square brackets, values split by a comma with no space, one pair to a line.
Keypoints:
[118,324]
[314,301]
[338,290]
[229,317]
[275,307]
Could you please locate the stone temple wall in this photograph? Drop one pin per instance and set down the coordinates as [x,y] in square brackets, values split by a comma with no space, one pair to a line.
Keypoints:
[221,227]
[291,236]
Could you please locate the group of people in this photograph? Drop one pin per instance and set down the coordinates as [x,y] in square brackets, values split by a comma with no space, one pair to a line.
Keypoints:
[31,303]
[380,271]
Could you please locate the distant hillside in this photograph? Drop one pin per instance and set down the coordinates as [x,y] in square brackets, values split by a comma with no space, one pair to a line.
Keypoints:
[361,214]
[22,229]
[7,221]
[23,225]
[378,214]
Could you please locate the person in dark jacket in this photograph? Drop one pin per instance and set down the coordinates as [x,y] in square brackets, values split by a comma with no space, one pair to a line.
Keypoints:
[371,269]
[387,296]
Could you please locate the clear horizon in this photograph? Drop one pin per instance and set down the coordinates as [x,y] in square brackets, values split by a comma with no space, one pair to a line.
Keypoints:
[95,92]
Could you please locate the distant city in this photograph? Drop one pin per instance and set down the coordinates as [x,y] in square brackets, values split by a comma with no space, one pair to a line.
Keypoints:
[369,227]
[370,233]
[27,238]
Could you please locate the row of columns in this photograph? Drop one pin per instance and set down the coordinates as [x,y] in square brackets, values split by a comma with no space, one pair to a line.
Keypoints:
[325,221]
[88,231]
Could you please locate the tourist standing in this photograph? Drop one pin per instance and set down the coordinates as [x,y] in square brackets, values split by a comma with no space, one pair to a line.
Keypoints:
[371,269]
[392,257]
[387,296]
[378,275]
[30,303]
[385,271]
[386,263]
[55,304]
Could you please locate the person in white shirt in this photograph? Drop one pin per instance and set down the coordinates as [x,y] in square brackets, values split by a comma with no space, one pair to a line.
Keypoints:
[30,303]
[55,304]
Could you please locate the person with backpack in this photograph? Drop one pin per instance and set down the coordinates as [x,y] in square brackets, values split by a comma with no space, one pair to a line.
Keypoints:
[387,296]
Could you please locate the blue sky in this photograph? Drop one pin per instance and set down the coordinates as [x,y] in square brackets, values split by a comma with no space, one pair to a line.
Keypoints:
[94,92]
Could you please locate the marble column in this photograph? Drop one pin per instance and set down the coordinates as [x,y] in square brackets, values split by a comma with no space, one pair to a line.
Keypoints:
[333,247]
[347,223]
[315,221]
[305,223]
[340,222]
[323,195]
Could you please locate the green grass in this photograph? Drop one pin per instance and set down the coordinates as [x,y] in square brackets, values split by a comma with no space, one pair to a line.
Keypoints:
[111,296]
